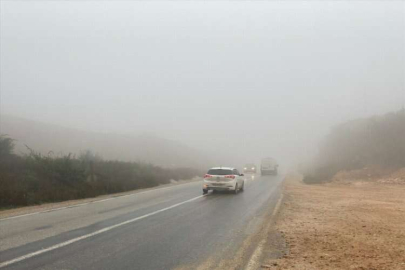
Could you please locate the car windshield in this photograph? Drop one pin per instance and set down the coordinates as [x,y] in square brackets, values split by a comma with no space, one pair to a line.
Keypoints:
[220,172]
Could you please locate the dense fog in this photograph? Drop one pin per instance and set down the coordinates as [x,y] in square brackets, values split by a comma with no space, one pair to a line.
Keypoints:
[234,81]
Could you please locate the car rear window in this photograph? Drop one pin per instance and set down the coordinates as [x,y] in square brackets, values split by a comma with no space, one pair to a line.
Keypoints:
[220,172]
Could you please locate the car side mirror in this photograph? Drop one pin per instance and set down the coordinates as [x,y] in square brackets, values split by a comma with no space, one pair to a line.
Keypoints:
[242,174]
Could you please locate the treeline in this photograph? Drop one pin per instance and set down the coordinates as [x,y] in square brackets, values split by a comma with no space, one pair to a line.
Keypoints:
[375,141]
[34,178]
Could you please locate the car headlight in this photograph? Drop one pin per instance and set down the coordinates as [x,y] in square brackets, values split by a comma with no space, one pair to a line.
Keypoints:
[253,168]
[245,168]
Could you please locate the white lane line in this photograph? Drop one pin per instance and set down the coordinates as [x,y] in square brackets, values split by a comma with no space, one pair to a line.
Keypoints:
[254,260]
[74,240]
[97,201]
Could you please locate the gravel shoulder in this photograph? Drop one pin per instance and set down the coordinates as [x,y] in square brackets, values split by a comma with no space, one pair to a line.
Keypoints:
[341,225]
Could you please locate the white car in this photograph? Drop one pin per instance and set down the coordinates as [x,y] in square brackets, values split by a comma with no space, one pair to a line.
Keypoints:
[223,178]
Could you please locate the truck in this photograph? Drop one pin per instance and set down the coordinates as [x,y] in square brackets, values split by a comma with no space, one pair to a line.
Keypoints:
[269,166]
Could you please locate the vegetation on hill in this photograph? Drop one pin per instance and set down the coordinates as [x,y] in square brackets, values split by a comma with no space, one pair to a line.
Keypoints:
[34,178]
[144,148]
[376,141]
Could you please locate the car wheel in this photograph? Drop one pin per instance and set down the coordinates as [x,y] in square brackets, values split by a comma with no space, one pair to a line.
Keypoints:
[243,187]
[205,191]
[236,189]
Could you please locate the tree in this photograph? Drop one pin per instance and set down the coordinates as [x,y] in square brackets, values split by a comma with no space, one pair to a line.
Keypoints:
[6,146]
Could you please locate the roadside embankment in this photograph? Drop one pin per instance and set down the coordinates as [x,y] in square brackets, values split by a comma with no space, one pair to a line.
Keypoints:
[48,207]
[342,225]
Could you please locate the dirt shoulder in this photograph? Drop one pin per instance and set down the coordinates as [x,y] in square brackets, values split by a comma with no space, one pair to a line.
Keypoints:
[358,225]
[47,207]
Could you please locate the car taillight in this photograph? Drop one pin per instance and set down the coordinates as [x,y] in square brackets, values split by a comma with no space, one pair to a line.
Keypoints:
[207,176]
[230,176]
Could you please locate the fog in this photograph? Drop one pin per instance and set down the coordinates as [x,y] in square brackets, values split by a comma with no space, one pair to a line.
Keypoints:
[241,79]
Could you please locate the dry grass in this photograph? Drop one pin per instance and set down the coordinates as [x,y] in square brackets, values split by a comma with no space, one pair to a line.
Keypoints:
[342,226]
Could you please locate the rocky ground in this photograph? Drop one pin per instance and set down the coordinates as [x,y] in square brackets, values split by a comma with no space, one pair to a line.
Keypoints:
[346,224]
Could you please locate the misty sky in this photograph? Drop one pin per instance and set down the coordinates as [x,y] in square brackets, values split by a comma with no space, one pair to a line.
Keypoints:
[253,78]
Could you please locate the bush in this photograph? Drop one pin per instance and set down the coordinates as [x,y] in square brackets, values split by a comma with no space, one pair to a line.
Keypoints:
[6,146]
[35,179]
[320,174]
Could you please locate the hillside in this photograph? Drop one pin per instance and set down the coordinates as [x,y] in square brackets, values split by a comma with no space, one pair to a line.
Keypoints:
[43,137]
[377,142]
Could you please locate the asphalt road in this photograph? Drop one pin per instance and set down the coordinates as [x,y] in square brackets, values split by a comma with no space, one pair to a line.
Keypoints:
[168,228]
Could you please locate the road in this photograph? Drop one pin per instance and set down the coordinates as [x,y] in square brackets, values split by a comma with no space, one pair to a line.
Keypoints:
[164,228]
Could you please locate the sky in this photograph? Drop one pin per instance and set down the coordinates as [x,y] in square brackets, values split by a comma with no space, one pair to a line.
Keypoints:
[244,78]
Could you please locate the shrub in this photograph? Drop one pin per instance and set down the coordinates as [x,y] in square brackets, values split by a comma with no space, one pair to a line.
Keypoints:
[35,179]
[6,146]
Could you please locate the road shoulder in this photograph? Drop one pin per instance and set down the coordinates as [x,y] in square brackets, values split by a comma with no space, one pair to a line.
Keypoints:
[340,226]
